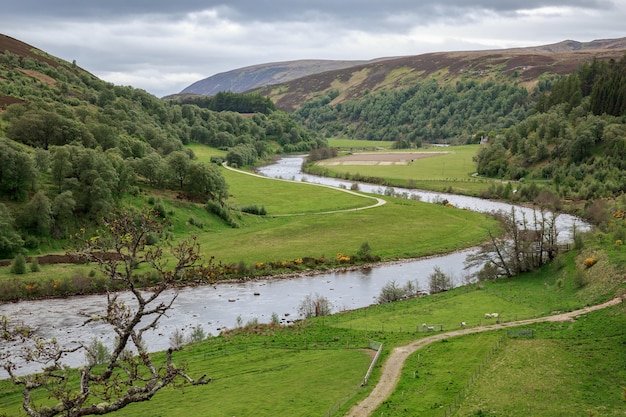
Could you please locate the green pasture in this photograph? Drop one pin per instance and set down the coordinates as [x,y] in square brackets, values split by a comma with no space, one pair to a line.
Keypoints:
[298,225]
[451,163]
[315,367]
[289,198]
[398,229]
[449,172]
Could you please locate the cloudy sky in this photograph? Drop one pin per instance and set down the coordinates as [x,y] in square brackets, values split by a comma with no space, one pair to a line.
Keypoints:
[164,46]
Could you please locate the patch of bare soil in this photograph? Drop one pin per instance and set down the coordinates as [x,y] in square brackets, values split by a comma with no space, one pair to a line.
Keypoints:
[382,158]
[39,76]
[393,366]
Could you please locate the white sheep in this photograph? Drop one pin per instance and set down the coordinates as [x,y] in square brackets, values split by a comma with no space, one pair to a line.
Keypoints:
[487,315]
[495,315]
[427,327]
[463,324]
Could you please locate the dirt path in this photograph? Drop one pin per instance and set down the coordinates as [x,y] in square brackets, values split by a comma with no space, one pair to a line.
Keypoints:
[379,201]
[393,366]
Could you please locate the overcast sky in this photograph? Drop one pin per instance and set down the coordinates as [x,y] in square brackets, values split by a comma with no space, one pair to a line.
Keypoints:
[164,46]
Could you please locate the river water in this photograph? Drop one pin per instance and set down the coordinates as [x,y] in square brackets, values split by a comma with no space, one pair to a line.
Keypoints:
[226,305]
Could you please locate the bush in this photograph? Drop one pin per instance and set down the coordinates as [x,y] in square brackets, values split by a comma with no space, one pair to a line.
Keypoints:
[195,222]
[197,334]
[580,279]
[31,242]
[391,292]
[34,265]
[97,352]
[254,209]
[589,262]
[365,253]
[315,306]
[439,282]
[19,265]
[221,211]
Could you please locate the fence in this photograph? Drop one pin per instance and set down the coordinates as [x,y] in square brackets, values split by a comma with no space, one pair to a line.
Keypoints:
[371,368]
[378,347]
[458,399]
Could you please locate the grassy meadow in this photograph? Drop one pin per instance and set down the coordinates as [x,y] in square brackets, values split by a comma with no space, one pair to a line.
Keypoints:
[451,171]
[303,220]
[315,367]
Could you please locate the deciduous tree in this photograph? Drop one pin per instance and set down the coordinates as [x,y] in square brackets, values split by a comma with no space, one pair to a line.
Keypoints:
[128,373]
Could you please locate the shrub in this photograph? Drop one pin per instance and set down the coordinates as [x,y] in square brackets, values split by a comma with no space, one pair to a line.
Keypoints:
[439,281]
[254,209]
[97,352]
[34,265]
[221,211]
[365,253]
[177,340]
[391,292]
[195,222]
[19,265]
[31,242]
[580,278]
[197,334]
[589,262]
[315,306]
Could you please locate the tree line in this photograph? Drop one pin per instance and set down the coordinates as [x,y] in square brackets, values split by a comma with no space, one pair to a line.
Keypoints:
[76,145]
[423,112]
[229,101]
[574,142]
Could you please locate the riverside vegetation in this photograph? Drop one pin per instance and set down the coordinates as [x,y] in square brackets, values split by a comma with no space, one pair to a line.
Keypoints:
[579,371]
[106,146]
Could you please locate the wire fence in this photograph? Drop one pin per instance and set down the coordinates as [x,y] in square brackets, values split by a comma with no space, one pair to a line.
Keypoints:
[458,399]
[378,347]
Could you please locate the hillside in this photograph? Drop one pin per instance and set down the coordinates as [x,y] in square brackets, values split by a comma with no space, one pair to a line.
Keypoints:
[256,76]
[72,147]
[524,65]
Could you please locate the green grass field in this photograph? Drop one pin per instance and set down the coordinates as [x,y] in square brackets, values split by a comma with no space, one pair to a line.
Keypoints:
[451,171]
[315,367]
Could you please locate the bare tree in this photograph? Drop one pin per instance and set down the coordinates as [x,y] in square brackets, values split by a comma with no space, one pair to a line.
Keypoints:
[522,246]
[315,306]
[129,374]
[438,281]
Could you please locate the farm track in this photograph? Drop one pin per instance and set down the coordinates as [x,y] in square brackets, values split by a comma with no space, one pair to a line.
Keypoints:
[393,365]
[379,201]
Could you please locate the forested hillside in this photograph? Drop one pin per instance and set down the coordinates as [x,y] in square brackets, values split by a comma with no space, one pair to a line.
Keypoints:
[72,146]
[423,112]
[575,141]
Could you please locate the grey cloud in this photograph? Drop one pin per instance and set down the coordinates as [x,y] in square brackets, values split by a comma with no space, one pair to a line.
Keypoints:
[279,10]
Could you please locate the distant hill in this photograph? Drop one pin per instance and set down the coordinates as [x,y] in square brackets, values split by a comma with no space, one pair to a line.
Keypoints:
[523,64]
[255,76]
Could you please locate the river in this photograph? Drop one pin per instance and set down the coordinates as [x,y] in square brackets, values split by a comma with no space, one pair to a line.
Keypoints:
[223,306]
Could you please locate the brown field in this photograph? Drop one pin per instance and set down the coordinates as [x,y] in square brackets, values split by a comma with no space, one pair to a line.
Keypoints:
[379,158]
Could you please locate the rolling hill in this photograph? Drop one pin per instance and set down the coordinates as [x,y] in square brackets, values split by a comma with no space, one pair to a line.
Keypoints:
[524,64]
[256,76]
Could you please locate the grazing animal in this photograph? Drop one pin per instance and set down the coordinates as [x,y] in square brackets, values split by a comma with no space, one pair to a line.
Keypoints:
[463,324]
[487,315]
[495,315]
[427,327]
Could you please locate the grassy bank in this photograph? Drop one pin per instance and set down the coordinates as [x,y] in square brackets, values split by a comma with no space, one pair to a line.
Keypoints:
[315,367]
[303,221]
[449,171]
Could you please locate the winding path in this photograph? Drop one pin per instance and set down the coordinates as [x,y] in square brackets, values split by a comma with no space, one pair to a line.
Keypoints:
[379,201]
[393,366]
